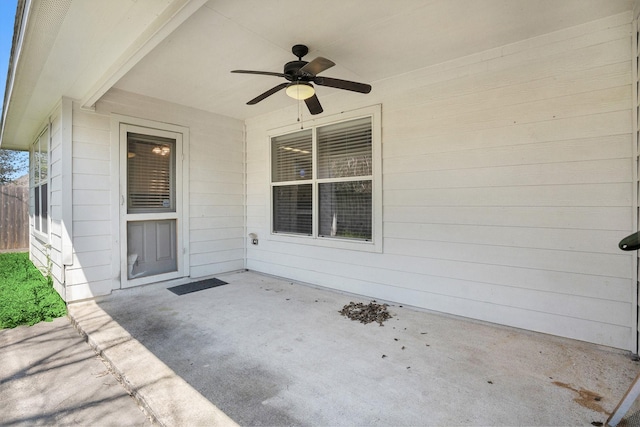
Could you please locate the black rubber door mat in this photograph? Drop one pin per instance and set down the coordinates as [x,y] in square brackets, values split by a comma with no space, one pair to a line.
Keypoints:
[196,286]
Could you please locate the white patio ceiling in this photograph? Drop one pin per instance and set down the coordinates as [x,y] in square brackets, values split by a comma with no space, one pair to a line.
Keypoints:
[369,40]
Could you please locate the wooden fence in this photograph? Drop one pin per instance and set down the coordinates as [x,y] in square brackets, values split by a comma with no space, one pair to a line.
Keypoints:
[14,217]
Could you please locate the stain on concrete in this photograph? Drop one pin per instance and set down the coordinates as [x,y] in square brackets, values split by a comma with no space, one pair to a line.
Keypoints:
[586,398]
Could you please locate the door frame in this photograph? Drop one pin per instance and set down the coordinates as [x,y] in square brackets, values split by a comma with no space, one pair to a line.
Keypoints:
[635,86]
[120,125]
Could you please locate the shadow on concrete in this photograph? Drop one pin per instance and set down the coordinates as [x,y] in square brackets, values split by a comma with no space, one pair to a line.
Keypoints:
[49,376]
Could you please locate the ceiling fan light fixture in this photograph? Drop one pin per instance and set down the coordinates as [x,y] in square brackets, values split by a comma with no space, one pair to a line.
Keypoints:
[300,91]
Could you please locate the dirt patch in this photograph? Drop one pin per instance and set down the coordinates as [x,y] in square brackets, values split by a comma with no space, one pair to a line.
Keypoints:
[585,398]
[371,312]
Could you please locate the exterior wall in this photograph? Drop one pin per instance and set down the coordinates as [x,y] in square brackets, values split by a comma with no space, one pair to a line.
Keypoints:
[46,248]
[90,271]
[507,180]
[216,196]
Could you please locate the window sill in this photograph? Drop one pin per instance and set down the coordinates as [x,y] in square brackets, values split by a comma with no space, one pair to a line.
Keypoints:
[328,242]
[41,237]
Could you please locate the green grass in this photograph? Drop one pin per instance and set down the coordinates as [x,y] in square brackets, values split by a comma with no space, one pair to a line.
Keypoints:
[26,296]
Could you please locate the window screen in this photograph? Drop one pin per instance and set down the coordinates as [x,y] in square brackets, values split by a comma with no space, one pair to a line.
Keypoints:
[292,209]
[345,209]
[40,179]
[291,157]
[344,149]
[150,174]
[44,208]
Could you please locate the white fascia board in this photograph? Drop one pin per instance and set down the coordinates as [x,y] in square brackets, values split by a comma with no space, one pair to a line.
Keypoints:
[170,19]
[16,50]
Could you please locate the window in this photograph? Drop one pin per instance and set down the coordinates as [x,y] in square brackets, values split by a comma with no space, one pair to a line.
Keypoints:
[323,182]
[344,159]
[151,166]
[291,173]
[40,180]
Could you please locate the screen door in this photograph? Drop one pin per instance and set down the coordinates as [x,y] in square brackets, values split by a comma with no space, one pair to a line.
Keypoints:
[151,211]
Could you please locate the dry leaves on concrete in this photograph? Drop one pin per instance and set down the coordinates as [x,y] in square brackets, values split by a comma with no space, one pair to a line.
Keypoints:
[372,312]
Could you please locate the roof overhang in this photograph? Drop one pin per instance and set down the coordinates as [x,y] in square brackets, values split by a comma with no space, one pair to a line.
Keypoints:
[93,43]
[182,51]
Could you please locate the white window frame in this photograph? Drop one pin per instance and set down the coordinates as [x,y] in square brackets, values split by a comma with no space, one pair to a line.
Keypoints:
[37,183]
[373,245]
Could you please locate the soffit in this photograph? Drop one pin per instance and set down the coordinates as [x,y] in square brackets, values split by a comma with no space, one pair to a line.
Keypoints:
[66,48]
[369,40]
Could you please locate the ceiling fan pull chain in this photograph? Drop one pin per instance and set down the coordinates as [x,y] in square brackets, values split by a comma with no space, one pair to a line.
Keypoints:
[300,118]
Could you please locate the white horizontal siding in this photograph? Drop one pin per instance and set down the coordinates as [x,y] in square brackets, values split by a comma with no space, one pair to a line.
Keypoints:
[89,274]
[564,217]
[507,179]
[520,237]
[609,194]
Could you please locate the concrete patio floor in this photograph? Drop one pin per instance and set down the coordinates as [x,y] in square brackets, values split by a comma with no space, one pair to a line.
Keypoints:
[266,351]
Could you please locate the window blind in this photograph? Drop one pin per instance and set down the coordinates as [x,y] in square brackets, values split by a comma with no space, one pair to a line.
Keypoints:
[44,207]
[150,173]
[40,170]
[344,149]
[291,157]
[292,209]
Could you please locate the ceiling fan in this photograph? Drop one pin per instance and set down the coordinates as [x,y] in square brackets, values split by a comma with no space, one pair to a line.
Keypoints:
[300,74]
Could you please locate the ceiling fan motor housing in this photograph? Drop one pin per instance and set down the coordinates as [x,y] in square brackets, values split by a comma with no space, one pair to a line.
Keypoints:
[292,70]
